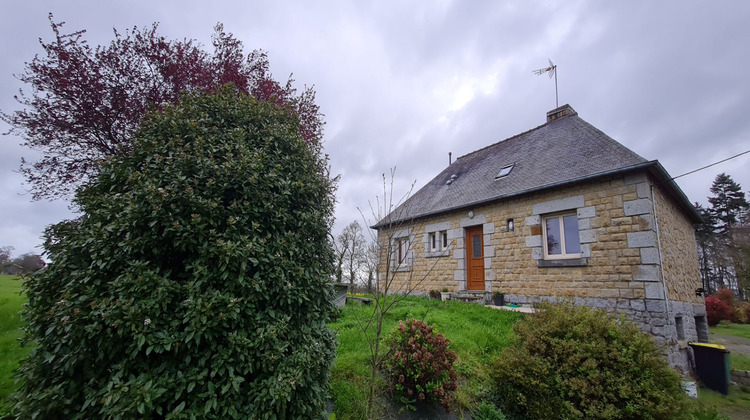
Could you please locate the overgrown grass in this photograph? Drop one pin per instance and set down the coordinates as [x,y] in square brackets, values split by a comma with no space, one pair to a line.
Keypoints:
[739,361]
[738,330]
[477,334]
[11,352]
[736,405]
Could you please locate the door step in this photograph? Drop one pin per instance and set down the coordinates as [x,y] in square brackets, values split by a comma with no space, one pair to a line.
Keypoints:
[479,297]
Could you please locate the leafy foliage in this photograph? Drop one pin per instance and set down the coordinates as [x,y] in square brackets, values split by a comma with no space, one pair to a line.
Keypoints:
[726,296]
[196,284]
[577,362]
[487,411]
[717,310]
[86,103]
[421,366]
[735,311]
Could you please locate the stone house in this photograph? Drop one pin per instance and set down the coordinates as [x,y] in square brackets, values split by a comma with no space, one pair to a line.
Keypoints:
[561,211]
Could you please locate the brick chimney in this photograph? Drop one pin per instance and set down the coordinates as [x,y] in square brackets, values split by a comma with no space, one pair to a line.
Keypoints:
[561,112]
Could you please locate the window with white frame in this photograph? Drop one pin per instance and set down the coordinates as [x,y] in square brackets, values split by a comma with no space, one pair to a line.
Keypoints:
[438,241]
[401,252]
[561,239]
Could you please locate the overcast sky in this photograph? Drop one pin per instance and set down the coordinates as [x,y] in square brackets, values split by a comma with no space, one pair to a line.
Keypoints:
[403,83]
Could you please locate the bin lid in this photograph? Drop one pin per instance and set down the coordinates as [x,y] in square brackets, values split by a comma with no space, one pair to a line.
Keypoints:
[709,345]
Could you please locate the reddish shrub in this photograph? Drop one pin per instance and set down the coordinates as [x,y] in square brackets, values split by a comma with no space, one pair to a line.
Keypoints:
[726,296]
[421,367]
[717,310]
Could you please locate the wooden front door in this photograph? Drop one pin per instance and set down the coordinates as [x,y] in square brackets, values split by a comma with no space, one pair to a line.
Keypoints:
[474,258]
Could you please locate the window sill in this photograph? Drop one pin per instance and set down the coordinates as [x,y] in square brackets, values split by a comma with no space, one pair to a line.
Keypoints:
[436,254]
[573,262]
[401,269]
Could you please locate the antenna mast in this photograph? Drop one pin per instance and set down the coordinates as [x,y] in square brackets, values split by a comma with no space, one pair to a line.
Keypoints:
[552,69]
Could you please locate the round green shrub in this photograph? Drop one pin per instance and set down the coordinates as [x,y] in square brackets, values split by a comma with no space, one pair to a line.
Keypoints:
[574,362]
[421,365]
[196,282]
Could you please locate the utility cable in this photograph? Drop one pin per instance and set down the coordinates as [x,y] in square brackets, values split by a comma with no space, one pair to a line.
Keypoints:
[715,163]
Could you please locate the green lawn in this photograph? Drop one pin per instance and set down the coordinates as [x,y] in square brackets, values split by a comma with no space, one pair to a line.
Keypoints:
[738,330]
[477,334]
[736,405]
[737,361]
[11,352]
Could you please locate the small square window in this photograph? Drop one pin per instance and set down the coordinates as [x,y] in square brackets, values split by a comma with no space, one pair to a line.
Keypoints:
[561,238]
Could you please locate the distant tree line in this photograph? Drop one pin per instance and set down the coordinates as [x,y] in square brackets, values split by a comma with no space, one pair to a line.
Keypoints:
[356,258]
[723,239]
[23,264]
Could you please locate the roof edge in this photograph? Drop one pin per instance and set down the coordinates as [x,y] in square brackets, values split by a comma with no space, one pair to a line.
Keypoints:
[653,166]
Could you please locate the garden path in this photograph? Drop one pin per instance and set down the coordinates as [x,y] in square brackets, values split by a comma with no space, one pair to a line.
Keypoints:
[733,343]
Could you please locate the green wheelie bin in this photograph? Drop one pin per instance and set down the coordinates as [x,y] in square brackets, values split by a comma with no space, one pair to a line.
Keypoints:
[712,366]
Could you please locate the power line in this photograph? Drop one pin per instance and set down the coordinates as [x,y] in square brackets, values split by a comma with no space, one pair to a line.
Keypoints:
[715,163]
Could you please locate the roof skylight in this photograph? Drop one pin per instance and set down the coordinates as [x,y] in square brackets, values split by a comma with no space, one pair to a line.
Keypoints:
[504,171]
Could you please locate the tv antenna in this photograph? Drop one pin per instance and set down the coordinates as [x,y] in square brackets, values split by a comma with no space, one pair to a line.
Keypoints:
[552,69]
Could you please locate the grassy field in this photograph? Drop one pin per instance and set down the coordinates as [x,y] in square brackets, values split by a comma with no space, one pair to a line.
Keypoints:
[477,334]
[736,405]
[11,353]
[736,360]
[737,330]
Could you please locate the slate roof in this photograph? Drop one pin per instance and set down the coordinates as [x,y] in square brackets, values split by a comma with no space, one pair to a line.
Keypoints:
[562,151]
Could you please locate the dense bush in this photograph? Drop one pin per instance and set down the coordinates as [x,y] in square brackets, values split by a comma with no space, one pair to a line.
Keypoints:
[196,283]
[717,310]
[576,362]
[727,296]
[421,366]
[487,411]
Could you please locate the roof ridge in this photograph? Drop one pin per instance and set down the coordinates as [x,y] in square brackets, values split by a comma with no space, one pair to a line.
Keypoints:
[514,136]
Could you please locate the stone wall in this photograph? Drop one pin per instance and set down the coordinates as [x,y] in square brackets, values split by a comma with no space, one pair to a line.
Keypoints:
[620,266]
[679,251]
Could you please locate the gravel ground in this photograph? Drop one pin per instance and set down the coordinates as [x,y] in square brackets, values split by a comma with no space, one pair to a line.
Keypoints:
[733,343]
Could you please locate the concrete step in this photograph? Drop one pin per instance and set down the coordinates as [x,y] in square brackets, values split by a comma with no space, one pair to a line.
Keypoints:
[472,296]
